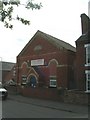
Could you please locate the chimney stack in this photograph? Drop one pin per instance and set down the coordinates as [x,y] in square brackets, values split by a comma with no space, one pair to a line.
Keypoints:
[85,23]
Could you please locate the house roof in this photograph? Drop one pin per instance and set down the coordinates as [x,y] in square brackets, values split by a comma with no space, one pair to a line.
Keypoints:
[84,37]
[7,65]
[55,41]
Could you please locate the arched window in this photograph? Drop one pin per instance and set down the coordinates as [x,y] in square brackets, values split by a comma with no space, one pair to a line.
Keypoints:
[53,67]
[24,70]
[53,72]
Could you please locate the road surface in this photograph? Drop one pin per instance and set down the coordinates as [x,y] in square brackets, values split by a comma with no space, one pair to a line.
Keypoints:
[17,109]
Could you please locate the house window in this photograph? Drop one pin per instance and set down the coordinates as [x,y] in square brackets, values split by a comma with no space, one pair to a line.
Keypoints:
[87,80]
[53,82]
[87,46]
[24,79]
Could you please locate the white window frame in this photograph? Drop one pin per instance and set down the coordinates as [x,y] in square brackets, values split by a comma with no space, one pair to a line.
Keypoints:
[24,79]
[53,85]
[87,72]
[87,53]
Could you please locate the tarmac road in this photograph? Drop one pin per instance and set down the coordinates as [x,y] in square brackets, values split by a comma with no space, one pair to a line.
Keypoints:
[17,106]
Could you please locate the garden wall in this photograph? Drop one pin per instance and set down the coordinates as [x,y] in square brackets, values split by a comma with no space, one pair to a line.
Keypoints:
[67,96]
[76,97]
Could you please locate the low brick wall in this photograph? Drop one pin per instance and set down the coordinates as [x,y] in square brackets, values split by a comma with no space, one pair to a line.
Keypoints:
[67,96]
[76,97]
[11,89]
[42,93]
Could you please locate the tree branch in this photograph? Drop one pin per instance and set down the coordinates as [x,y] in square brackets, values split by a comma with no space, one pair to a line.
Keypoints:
[8,13]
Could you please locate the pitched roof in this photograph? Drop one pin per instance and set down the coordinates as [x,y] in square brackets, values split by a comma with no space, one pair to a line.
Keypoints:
[84,37]
[7,65]
[55,41]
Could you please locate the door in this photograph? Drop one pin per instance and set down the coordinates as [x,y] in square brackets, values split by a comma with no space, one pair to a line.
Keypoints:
[33,81]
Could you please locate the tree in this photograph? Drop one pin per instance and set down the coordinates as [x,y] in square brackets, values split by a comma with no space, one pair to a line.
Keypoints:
[7,7]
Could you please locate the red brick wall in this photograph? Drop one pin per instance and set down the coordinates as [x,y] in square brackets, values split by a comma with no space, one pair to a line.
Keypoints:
[46,47]
[80,57]
[62,70]
[67,96]
[62,77]
[80,64]
[63,57]
[8,75]
[80,54]
[42,93]
[71,70]
[4,74]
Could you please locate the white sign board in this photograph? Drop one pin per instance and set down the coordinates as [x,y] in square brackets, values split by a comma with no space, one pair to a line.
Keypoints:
[37,62]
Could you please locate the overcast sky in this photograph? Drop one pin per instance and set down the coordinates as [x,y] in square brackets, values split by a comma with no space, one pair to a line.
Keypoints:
[59,18]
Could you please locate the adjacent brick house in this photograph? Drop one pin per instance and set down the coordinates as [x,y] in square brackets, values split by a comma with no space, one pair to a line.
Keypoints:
[11,76]
[46,62]
[83,55]
[5,69]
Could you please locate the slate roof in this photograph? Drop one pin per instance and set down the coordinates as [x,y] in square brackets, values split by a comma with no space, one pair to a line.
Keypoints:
[7,66]
[84,37]
[55,41]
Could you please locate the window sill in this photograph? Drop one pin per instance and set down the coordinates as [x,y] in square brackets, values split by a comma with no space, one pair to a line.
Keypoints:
[86,65]
[88,91]
[23,84]
[53,86]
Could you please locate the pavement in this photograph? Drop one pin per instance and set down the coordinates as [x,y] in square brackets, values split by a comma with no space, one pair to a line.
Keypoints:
[80,109]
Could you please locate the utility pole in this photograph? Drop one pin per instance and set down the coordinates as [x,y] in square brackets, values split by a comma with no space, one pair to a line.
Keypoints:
[89,9]
[1,69]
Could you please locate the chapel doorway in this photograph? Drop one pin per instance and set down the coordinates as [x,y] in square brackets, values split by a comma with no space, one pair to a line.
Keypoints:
[32,81]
